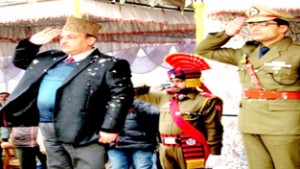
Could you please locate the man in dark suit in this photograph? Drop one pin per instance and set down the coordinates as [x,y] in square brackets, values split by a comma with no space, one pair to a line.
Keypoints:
[78,96]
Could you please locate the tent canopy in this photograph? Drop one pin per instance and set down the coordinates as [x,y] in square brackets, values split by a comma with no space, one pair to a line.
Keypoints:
[130,24]
[130,21]
[123,25]
[121,22]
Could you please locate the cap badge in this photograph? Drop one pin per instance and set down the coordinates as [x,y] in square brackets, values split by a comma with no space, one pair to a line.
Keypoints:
[172,76]
[253,11]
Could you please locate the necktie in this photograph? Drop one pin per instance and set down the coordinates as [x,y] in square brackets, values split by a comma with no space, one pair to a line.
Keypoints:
[263,50]
[70,60]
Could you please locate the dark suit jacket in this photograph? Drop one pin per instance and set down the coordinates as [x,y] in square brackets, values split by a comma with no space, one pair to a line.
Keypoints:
[95,96]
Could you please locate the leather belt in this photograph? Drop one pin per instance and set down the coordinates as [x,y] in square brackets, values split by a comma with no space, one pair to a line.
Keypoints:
[260,94]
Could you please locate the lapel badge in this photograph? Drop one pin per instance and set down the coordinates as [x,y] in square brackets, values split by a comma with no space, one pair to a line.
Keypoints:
[253,11]
[94,58]
[190,141]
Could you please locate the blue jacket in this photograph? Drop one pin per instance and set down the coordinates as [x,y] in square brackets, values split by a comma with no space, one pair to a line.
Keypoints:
[140,128]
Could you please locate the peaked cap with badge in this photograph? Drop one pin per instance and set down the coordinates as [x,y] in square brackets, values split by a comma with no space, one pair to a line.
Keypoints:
[82,25]
[187,67]
[259,13]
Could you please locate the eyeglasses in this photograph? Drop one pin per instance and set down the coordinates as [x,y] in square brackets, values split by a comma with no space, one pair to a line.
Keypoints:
[260,24]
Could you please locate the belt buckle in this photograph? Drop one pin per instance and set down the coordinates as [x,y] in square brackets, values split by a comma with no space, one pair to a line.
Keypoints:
[261,94]
[170,140]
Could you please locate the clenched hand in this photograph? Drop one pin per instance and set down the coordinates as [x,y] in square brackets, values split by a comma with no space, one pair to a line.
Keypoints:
[106,137]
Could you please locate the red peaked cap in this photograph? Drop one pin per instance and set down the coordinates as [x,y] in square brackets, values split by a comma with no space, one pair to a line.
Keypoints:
[186,66]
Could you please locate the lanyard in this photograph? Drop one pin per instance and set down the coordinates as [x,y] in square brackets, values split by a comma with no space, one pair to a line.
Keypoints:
[251,72]
[253,76]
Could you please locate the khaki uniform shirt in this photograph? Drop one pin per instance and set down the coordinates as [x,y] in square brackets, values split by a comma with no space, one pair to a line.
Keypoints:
[202,112]
[277,70]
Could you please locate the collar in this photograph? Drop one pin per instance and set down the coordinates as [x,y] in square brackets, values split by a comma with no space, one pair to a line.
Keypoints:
[81,56]
[191,95]
[270,46]
[183,97]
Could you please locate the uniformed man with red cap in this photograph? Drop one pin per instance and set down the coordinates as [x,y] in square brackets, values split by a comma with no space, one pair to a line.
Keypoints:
[190,118]
[269,119]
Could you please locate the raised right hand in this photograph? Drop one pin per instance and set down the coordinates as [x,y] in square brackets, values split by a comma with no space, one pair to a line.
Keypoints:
[45,36]
[235,26]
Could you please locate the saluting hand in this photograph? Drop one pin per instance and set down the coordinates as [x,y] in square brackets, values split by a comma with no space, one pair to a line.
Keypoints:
[235,26]
[106,137]
[45,36]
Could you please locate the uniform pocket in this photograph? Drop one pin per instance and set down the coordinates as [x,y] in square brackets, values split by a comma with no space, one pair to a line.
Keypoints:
[283,116]
[277,73]
[284,105]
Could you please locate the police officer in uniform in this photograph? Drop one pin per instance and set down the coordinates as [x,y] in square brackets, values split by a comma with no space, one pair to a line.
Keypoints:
[269,74]
[190,119]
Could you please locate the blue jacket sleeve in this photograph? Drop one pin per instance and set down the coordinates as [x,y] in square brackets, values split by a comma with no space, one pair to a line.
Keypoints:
[146,108]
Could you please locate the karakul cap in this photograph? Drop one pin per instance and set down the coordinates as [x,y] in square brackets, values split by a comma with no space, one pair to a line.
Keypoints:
[82,25]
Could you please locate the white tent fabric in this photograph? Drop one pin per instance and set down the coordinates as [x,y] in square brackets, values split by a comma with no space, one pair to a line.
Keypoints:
[123,27]
[121,21]
[215,7]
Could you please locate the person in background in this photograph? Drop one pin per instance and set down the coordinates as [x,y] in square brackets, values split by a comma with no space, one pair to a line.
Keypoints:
[136,143]
[25,142]
[190,119]
[269,72]
[4,130]
[24,139]
[78,96]
[40,141]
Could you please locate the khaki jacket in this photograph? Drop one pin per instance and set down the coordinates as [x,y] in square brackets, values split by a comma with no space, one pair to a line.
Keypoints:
[199,110]
[277,70]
